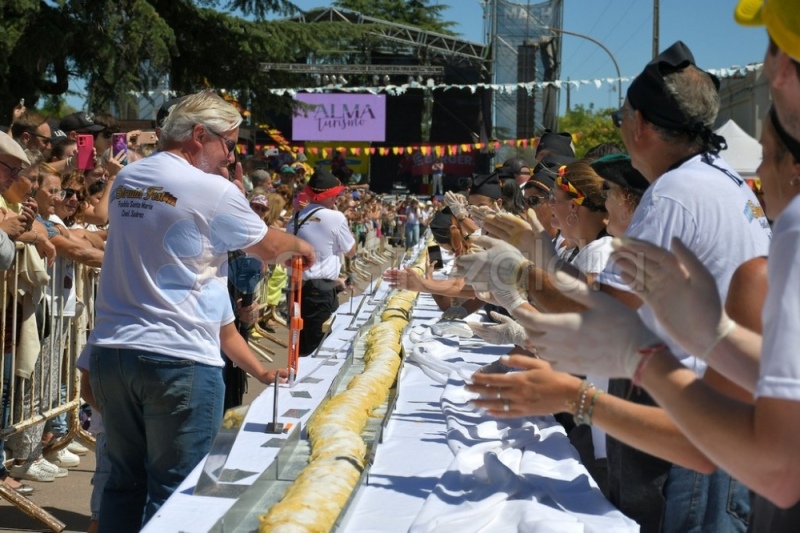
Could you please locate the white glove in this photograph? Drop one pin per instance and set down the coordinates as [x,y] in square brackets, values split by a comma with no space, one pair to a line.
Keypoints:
[457,204]
[604,340]
[529,237]
[681,291]
[500,267]
[506,331]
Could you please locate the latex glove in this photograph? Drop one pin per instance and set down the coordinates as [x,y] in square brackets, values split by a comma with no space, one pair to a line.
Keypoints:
[457,204]
[681,291]
[506,331]
[404,278]
[500,267]
[604,340]
[534,391]
[529,237]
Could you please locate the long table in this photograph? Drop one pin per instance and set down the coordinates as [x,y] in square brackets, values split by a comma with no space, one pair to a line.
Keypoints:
[411,464]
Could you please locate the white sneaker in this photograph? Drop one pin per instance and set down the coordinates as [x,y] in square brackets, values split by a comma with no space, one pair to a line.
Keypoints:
[36,471]
[63,458]
[56,470]
[77,448]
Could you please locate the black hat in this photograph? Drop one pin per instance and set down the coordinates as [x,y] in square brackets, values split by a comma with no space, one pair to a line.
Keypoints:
[515,165]
[486,185]
[617,169]
[440,225]
[546,170]
[166,108]
[560,143]
[648,93]
[79,121]
[323,185]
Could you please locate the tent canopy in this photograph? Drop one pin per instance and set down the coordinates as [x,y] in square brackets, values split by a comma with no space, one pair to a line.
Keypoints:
[743,153]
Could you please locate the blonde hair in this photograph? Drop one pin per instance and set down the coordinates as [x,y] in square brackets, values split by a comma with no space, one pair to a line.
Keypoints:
[583,177]
[276,204]
[204,108]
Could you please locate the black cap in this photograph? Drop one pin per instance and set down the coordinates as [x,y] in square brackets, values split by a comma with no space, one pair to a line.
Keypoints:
[322,180]
[648,93]
[559,143]
[486,185]
[166,108]
[546,170]
[80,121]
[515,165]
[440,225]
[617,169]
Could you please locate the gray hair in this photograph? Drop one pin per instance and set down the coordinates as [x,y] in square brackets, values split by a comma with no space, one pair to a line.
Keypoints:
[698,98]
[205,108]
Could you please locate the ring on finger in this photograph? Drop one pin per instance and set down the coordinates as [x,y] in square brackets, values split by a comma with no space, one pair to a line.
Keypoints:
[506,406]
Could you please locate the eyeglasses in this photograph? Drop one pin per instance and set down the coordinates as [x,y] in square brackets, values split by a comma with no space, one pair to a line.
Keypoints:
[616,118]
[535,201]
[44,138]
[229,143]
[14,172]
[69,193]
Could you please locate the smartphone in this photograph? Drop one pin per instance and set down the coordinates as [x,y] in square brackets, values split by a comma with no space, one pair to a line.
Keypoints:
[147,137]
[435,256]
[119,144]
[300,201]
[85,152]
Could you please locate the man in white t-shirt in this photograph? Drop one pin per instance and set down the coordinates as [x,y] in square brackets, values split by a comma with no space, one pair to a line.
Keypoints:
[163,311]
[327,230]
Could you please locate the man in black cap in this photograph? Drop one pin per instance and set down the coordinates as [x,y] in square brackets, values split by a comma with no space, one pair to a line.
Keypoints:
[328,232]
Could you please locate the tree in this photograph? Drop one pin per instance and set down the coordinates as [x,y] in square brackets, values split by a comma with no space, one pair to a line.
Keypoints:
[589,127]
[417,13]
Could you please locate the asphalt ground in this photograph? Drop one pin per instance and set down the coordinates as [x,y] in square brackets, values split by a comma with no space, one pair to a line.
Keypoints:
[67,498]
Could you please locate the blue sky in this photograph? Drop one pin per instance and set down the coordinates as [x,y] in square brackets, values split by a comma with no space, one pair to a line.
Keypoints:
[626,28]
[623,26]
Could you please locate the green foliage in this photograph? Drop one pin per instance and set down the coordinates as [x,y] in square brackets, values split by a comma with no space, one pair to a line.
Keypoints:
[123,48]
[418,13]
[589,127]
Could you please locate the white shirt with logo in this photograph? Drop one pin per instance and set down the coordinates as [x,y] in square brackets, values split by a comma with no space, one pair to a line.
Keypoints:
[329,233]
[163,286]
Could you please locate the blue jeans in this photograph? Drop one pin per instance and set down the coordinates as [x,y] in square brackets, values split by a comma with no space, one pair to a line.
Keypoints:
[161,415]
[412,235]
[698,503]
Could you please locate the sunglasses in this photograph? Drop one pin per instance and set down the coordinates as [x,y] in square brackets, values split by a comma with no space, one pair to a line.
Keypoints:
[44,138]
[230,145]
[536,201]
[14,172]
[616,118]
[69,193]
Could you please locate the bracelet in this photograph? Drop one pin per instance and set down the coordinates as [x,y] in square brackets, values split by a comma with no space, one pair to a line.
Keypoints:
[583,391]
[523,273]
[647,353]
[586,420]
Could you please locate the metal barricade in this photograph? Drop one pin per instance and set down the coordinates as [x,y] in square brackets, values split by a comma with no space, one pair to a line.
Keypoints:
[38,374]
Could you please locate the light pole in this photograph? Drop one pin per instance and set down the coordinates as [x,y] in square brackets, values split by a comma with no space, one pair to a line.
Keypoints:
[598,43]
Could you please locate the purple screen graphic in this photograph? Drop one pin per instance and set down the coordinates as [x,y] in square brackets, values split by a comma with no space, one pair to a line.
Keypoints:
[340,117]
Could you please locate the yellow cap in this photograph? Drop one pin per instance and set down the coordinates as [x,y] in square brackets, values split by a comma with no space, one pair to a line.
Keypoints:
[781,18]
